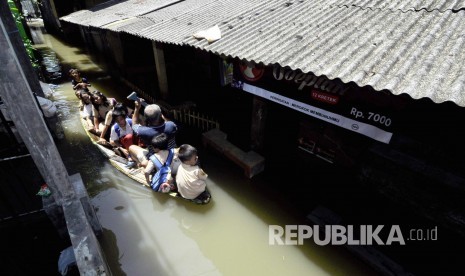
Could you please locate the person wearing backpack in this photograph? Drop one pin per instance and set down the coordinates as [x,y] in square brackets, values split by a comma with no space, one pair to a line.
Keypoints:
[162,161]
[121,134]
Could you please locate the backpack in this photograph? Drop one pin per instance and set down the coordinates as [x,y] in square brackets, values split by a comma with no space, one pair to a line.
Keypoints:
[117,127]
[161,176]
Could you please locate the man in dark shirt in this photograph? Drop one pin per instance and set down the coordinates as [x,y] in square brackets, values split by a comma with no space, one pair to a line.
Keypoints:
[155,124]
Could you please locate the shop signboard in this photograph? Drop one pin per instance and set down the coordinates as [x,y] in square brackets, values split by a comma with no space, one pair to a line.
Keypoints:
[364,111]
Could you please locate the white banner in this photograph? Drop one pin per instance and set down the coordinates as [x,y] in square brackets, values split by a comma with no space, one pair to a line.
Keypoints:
[336,119]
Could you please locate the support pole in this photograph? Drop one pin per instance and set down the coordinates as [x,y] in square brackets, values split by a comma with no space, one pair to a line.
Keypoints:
[257,131]
[161,70]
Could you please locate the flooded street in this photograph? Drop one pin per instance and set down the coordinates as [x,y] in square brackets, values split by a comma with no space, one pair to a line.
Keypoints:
[147,233]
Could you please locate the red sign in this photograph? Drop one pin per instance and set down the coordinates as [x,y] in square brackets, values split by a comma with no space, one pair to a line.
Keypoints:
[324,97]
[251,72]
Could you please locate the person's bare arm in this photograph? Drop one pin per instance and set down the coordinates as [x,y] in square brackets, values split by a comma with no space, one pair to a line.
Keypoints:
[108,119]
[115,144]
[81,85]
[135,115]
[201,174]
[102,135]
[96,122]
[148,170]
[90,124]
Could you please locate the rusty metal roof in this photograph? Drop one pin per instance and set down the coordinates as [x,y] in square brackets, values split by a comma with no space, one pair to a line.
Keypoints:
[416,47]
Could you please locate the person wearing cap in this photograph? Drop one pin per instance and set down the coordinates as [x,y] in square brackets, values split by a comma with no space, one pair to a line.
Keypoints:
[155,124]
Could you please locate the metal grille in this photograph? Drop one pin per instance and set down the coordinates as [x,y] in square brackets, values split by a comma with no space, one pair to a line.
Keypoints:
[195,119]
[20,183]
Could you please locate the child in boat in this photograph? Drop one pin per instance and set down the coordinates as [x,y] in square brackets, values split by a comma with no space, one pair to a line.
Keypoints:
[77,81]
[102,107]
[121,134]
[159,147]
[86,111]
[190,178]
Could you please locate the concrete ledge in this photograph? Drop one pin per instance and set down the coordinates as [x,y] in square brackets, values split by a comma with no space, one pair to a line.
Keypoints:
[56,216]
[81,194]
[75,218]
[55,211]
[215,139]
[251,162]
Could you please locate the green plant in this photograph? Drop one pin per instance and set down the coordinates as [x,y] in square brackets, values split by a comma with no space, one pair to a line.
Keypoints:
[18,17]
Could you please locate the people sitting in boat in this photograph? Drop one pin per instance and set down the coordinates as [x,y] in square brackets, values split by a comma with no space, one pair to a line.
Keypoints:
[77,81]
[121,134]
[159,147]
[190,178]
[153,125]
[86,112]
[102,107]
[78,94]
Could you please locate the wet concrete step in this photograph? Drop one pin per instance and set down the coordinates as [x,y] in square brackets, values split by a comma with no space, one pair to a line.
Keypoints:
[251,162]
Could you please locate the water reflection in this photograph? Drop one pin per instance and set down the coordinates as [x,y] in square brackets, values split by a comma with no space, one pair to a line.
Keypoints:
[148,233]
[113,256]
[51,65]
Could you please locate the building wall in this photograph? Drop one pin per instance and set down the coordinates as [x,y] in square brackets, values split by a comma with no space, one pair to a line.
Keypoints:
[419,168]
[139,63]
[115,47]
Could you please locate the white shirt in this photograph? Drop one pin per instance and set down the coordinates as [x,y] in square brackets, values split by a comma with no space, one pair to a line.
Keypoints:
[190,180]
[122,132]
[87,111]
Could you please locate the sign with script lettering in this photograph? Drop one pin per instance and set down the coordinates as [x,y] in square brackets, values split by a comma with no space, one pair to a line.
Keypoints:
[364,111]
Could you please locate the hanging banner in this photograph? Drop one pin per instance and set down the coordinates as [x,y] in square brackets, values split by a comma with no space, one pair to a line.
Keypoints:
[318,97]
[336,119]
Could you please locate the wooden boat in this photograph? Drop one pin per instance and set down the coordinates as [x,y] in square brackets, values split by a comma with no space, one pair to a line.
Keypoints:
[136,174]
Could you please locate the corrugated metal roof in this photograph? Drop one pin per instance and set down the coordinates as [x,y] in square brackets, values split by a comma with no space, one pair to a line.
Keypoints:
[168,13]
[416,48]
[183,25]
[403,5]
[114,11]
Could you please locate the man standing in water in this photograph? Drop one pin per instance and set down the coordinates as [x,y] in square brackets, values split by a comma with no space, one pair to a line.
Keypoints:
[155,124]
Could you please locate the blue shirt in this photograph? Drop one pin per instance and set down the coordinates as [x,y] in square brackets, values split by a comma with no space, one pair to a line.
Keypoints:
[146,133]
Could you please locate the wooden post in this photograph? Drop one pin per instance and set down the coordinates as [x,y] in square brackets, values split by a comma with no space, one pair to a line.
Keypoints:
[50,16]
[25,113]
[18,47]
[257,132]
[161,70]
